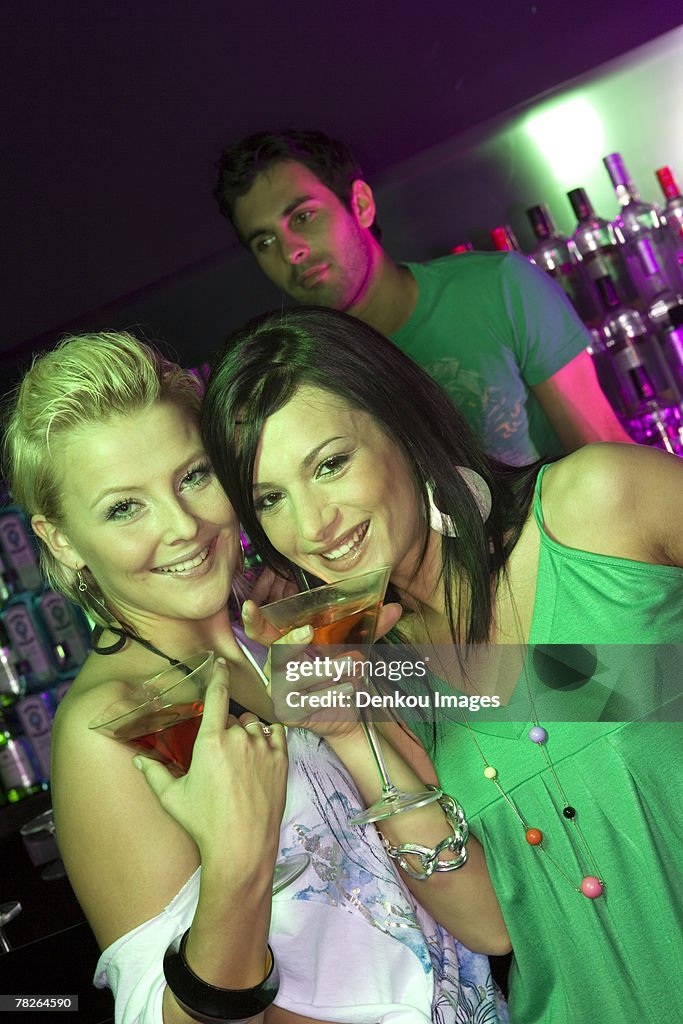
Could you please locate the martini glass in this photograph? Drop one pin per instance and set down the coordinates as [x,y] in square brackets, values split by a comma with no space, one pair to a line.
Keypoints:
[160,718]
[346,612]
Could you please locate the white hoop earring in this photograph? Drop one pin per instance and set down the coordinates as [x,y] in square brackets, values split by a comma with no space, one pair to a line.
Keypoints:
[443,524]
[478,488]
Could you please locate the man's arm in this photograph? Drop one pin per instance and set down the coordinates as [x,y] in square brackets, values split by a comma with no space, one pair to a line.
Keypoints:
[576,406]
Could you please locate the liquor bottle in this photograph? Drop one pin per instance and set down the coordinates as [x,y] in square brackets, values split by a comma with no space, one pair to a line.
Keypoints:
[5,583]
[671,339]
[597,243]
[606,372]
[641,229]
[12,684]
[560,258]
[646,390]
[19,549]
[30,646]
[66,628]
[35,714]
[504,240]
[19,775]
[462,247]
[673,211]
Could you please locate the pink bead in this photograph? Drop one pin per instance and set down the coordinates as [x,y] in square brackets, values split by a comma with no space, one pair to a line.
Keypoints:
[591,887]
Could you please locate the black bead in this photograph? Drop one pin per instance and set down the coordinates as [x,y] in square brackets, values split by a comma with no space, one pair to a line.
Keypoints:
[569,812]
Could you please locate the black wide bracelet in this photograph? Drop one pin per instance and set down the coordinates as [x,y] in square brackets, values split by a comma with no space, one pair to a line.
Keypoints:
[211,1005]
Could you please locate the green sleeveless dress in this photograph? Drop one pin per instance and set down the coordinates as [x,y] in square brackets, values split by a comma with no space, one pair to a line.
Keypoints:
[617,959]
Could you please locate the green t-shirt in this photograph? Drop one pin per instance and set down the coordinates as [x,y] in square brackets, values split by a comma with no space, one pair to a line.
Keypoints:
[488,327]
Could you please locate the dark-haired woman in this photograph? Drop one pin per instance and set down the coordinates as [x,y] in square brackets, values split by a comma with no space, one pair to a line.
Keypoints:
[343,456]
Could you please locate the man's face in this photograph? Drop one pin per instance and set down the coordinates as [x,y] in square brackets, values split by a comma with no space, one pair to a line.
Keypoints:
[305,239]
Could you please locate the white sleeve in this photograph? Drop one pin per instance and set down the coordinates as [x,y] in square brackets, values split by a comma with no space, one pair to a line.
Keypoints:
[132,966]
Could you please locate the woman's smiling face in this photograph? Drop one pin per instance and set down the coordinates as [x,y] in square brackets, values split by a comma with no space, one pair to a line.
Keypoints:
[144,512]
[333,492]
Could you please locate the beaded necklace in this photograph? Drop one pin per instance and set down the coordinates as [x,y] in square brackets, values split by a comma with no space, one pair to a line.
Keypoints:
[591,886]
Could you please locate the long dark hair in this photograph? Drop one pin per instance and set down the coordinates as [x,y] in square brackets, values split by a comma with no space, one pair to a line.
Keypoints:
[261,367]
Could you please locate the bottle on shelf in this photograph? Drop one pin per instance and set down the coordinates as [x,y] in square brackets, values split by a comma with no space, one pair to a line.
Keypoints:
[671,339]
[6,586]
[641,229]
[35,713]
[560,258]
[19,549]
[462,247]
[31,647]
[504,240]
[19,773]
[647,394]
[673,210]
[596,241]
[12,683]
[605,371]
[66,628]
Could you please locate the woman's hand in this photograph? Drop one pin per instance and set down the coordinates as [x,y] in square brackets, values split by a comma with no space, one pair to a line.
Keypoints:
[308,688]
[232,799]
[257,629]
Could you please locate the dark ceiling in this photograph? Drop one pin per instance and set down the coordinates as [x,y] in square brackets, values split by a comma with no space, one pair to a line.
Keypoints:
[114,113]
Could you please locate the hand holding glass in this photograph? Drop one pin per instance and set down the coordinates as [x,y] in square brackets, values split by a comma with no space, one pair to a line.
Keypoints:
[346,612]
[160,718]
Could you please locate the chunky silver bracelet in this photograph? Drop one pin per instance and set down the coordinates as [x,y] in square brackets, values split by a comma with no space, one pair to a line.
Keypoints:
[429,856]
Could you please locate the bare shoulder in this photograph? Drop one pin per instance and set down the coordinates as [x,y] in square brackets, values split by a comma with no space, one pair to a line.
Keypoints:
[615,499]
[125,857]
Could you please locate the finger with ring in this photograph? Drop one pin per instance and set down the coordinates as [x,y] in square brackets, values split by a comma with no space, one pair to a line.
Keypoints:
[265,729]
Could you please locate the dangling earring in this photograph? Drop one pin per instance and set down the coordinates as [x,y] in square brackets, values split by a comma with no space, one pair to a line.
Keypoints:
[82,586]
[479,490]
[437,520]
[243,556]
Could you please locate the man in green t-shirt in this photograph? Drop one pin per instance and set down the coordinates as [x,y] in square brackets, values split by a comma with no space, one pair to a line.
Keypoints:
[496,333]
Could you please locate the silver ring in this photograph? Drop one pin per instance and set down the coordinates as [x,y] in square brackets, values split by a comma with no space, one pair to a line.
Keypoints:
[265,729]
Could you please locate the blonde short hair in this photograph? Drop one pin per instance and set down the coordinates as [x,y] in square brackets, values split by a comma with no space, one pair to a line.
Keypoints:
[86,379]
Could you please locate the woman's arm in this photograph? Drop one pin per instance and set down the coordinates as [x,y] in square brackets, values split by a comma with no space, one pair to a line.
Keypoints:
[463,901]
[130,839]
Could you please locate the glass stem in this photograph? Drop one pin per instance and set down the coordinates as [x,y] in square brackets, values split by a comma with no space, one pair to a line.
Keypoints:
[389,791]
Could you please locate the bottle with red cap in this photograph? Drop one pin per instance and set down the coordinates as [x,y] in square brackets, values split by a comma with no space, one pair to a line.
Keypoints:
[673,211]
[641,229]
[504,240]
